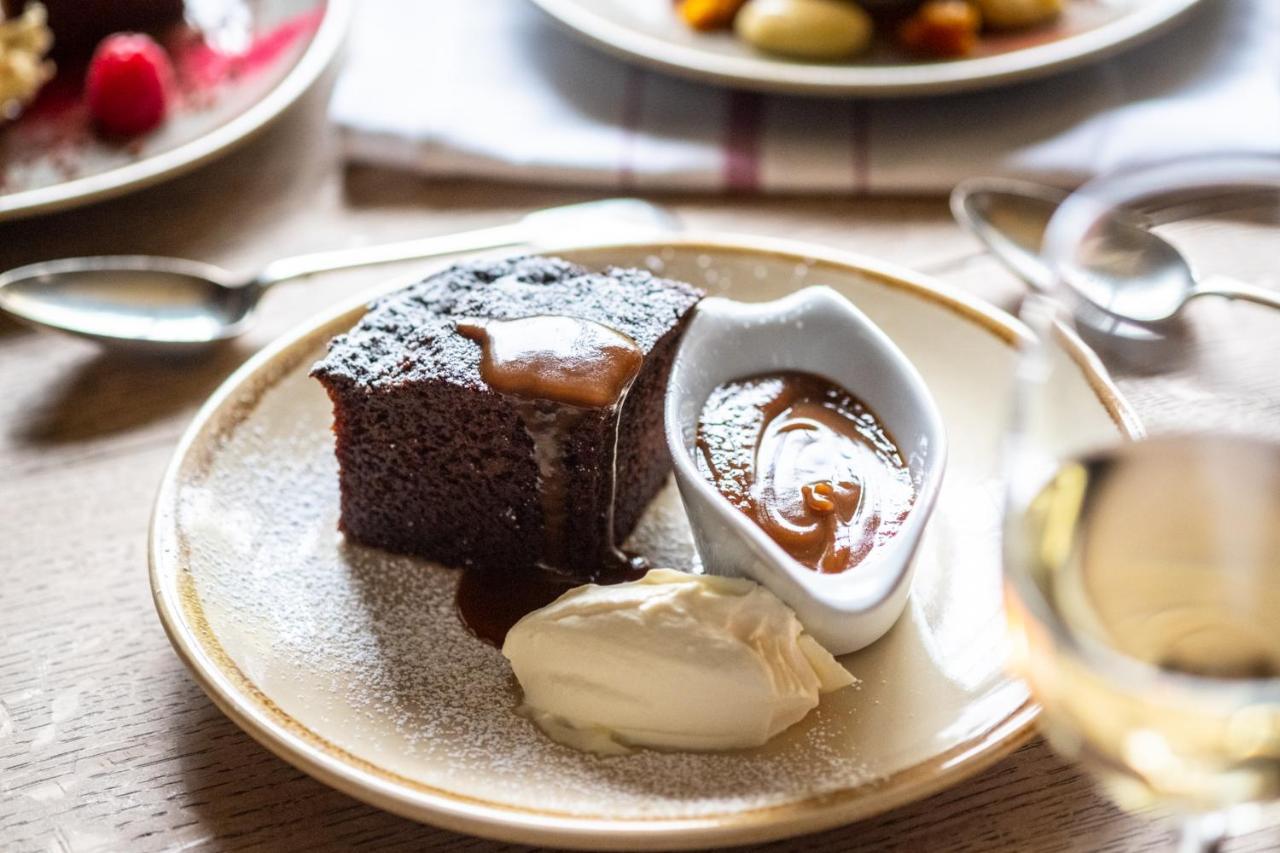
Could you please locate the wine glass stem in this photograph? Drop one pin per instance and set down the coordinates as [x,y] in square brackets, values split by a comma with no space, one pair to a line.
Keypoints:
[1203,833]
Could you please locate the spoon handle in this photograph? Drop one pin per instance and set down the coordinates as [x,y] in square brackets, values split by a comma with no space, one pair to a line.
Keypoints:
[1221,285]
[424,247]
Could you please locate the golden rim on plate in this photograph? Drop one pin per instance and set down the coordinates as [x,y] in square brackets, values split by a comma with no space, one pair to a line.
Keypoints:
[184,621]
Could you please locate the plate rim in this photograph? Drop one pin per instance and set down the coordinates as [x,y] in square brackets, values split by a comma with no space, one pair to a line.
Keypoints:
[149,171]
[764,74]
[254,713]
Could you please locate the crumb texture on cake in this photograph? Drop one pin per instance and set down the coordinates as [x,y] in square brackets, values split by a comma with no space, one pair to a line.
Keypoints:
[410,335]
[434,462]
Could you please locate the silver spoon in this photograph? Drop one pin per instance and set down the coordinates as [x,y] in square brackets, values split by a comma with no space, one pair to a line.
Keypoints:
[169,304]
[1133,274]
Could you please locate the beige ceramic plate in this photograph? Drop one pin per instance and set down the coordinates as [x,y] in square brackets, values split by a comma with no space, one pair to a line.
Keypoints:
[254,60]
[352,664]
[648,32]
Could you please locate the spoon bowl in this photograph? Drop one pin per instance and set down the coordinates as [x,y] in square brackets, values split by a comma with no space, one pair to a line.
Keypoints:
[1010,217]
[1131,273]
[130,300]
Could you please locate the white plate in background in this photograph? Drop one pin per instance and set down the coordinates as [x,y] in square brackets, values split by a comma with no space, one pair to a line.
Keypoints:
[650,33]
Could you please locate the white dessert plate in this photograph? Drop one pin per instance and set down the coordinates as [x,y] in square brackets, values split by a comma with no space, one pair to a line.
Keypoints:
[235,74]
[352,664]
[649,32]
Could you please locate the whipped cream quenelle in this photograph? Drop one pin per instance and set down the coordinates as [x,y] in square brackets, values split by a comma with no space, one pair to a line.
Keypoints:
[671,661]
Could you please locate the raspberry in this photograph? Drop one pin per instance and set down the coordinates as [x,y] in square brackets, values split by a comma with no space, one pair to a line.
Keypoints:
[129,84]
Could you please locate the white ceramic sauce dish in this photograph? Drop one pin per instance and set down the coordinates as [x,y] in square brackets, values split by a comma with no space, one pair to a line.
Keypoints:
[818,331]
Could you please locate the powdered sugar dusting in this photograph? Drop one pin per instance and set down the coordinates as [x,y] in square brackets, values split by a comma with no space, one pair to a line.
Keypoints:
[365,649]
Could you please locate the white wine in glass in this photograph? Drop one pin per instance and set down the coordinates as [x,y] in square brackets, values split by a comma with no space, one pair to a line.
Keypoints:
[1152,637]
[1143,578]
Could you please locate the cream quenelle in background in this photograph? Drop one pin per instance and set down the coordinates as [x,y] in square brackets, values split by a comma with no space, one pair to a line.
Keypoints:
[671,661]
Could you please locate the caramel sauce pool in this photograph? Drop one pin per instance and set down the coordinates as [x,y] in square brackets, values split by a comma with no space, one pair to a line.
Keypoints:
[808,462]
[492,601]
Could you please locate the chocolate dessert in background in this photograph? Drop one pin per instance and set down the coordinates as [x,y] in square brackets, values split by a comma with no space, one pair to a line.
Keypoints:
[435,462]
[78,25]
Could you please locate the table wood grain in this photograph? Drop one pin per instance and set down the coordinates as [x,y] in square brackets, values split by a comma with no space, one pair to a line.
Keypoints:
[106,743]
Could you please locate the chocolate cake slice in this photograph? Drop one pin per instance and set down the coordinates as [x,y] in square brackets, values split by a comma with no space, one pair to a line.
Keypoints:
[434,461]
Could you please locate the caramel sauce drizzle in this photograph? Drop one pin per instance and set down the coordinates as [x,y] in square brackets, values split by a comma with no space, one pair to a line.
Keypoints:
[559,370]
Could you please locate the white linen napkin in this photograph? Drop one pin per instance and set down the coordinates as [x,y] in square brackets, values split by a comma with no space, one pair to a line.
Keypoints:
[491,89]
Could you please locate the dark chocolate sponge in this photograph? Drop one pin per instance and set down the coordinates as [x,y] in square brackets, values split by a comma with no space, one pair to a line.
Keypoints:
[435,463]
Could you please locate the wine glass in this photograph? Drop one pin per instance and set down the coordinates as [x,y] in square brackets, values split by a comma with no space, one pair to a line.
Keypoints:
[1142,578]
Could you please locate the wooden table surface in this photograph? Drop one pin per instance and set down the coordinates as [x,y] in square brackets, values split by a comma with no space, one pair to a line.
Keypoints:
[106,743]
